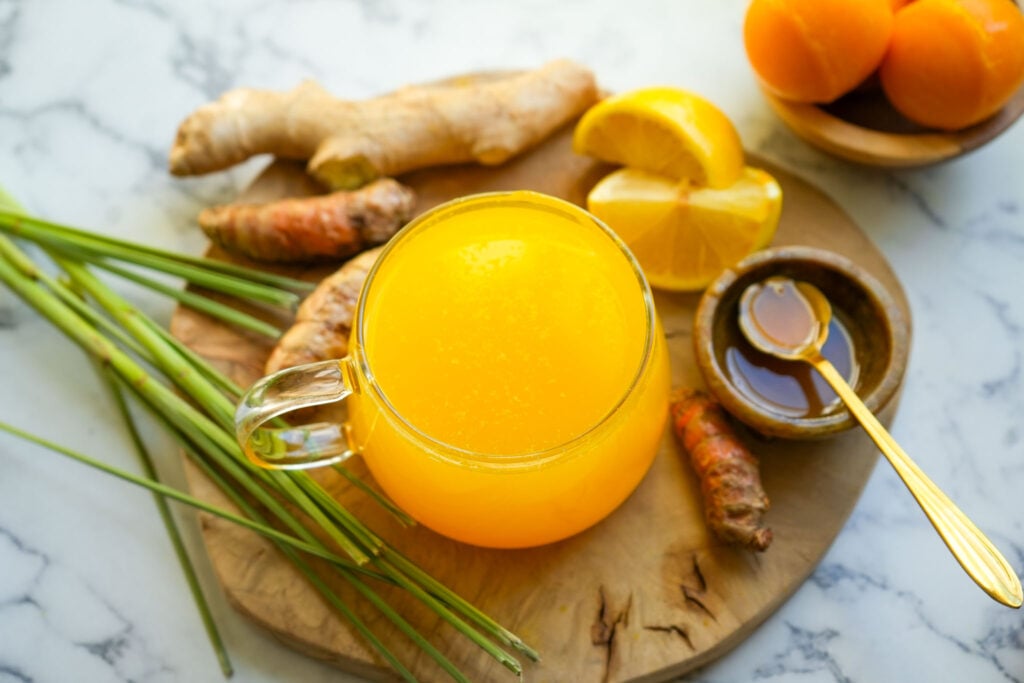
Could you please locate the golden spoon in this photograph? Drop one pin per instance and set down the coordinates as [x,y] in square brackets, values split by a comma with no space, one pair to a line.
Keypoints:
[790,320]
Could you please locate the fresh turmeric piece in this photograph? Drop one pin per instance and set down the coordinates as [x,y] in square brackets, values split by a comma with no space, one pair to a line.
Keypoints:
[326,227]
[324,320]
[730,481]
[473,118]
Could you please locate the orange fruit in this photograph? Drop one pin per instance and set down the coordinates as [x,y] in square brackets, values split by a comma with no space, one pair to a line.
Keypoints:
[953,63]
[816,50]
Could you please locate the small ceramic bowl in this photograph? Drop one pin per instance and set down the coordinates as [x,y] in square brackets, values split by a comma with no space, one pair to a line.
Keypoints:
[879,336]
[863,127]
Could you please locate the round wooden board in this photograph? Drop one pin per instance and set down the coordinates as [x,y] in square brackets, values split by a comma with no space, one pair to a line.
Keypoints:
[645,595]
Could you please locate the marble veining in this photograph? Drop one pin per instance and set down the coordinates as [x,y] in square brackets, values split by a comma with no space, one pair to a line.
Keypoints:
[46,609]
[91,94]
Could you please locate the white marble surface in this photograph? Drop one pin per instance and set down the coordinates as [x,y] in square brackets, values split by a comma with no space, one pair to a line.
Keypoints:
[90,96]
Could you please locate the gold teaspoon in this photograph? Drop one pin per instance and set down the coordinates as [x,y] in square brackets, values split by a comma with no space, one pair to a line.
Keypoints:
[790,320]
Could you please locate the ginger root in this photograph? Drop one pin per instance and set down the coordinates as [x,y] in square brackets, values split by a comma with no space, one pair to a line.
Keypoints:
[324,320]
[730,481]
[349,143]
[326,227]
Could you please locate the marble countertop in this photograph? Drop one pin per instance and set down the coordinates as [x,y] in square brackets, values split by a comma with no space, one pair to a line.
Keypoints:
[90,97]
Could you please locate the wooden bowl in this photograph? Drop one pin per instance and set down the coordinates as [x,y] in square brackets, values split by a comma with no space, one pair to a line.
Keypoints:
[863,127]
[879,333]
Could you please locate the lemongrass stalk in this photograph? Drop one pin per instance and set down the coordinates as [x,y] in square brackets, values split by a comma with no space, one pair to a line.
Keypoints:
[177,543]
[182,497]
[28,267]
[202,366]
[330,510]
[186,418]
[374,545]
[321,586]
[214,309]
[398,513]
[297,486]
[503,658]
[17,216]
[326,591]
[220,282]
[157,393]
[408,630]
[459,603]
[192,383]
[332,598]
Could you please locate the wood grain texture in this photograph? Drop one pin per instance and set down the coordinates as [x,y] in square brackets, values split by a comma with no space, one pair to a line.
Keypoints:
[863,127]
[646,594]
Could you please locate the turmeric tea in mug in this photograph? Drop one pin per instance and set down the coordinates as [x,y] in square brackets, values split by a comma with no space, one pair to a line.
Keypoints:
[507,382]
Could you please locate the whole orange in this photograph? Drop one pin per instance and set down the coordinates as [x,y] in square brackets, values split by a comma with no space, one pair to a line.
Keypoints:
[815,50]
[953,63]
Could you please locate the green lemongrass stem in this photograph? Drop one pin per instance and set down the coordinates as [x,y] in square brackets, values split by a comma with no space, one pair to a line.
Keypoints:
[220,282]
[109,354]
[18,216]
[23,263]
[459,603]
[94,343]
[503,658]
[183,428]
[299,487]
[362,588]
[204,367]
[194,385]
[320,585]
[311,546]
[182,497]
[173,533]
[374,546]
[204,304]
[377,547]
[167,358]
[187,419]
[398,513]
[330,509]
[295,493]
[409,630]
[325,590]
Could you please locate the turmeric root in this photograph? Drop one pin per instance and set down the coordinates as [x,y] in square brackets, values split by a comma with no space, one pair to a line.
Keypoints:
[349,143]
[331,226]
[730,482]
[324,320]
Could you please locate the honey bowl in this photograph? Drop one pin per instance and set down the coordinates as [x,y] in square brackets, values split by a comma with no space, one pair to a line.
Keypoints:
[868,343]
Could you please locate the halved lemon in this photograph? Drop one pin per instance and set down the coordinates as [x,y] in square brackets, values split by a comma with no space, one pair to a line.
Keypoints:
[685,236]
[666,131]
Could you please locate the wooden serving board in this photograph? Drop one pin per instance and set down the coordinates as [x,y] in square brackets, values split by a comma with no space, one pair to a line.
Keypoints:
[645,595]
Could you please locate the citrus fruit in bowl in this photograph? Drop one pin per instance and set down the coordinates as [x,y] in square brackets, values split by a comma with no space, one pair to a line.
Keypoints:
[816,50]
[954,63]
[951,78]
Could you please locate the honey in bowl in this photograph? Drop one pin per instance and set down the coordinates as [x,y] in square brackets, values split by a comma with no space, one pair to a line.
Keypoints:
[868,343]
[786,386]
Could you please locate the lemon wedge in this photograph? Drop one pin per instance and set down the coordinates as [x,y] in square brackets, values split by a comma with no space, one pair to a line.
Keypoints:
[666,131]
[685,236]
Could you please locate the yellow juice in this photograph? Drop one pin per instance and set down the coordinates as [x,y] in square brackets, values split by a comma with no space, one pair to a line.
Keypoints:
[520,374]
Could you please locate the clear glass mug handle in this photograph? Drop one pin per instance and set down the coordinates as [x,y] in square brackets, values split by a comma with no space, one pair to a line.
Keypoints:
[302,446]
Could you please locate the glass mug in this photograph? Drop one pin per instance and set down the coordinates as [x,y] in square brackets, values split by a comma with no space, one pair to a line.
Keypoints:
[507,378]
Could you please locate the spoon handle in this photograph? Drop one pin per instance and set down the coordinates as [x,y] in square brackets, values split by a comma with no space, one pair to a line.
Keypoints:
[975,553]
